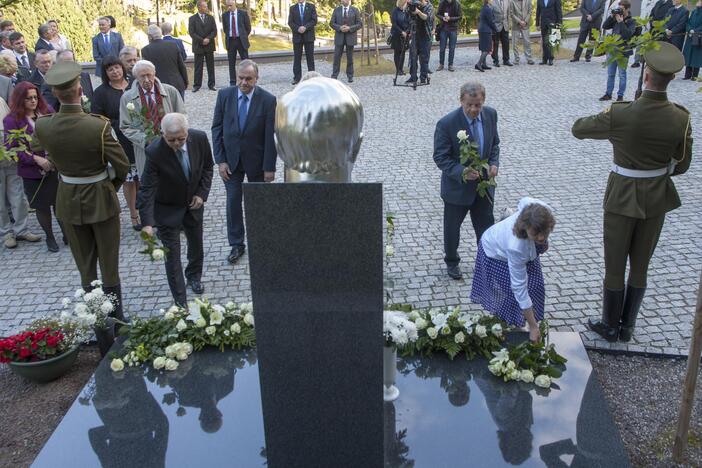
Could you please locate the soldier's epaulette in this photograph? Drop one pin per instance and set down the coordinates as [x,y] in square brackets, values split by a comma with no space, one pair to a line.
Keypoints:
[621,102]
[101,117]
[681,107]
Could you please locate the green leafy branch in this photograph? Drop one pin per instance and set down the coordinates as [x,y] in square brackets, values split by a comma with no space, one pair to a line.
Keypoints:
[615,47]
[19,140]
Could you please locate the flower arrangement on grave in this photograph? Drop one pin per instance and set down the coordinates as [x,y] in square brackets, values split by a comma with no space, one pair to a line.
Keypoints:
[153,249]
[470,158]
[171,337]
[556,32]
[399,331]
[91,308]
[529,362]
[453,332]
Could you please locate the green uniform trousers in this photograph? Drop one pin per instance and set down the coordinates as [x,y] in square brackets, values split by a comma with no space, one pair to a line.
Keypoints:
[631,238]
[93,243]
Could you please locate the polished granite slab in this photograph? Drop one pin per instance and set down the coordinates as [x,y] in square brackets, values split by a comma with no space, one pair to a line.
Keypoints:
[449,414]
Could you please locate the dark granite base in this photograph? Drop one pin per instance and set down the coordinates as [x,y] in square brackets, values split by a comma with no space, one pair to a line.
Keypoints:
[449,414]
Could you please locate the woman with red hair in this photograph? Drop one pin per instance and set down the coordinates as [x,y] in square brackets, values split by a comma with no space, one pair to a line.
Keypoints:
[38,174]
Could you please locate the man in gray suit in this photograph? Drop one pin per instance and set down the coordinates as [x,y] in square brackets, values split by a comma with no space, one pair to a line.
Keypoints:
[500,10]
[520,12]
[592,11]
[5,88]
[345,20]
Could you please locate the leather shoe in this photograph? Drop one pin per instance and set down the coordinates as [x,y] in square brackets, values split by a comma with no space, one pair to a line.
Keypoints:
[496,64]
[454,272]
[195,90]
[294,82]
[606,97]
[212,88]
[550,61]
[588,59]
[52,245]
[507,63]
[196,286]
[236,253]
[450,68]
[350,79]
[479,68]
[440,67]
[485,67]
[575,60]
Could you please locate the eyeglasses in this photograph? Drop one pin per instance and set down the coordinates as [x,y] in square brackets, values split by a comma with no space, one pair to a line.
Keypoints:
[31,98]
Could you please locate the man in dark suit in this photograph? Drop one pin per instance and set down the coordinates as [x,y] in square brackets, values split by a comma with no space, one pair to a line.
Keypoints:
[105,43]
[165,56]
[85,82]
[659,11]
[237,27]
[591,19]
[129,57]
[167,29]
[677,23]
[345,20]
[42,64]
[548,13]
[174,187]
[302,19]
[242,137]
[25,58]
[203,30]
[44,41]
[458,183]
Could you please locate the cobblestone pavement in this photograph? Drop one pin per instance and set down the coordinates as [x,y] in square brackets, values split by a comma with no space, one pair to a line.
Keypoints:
[539,157]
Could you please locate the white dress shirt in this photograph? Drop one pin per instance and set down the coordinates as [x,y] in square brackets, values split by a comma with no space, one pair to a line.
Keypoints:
[500,243]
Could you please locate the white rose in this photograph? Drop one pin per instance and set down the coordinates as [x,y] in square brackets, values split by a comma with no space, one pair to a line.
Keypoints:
[389,250]
[230,305]
[117,365]
[210,330]
[236,328]
[432,332]
[495,368]
[421,323]
[181,325]
[107,307]
[446,330]
[200,322]
[248,319]
[246,307]
[526,376]
[510,365]
[414,315]
[157,254]
[226,333]
[159,362]
[171,351]
[182,356]
[216,317]
[543,381]
[173,309]
[130,106]
[65,302]
[187,347]
[481,331]
[171,364]
[79,293]
[514,374]
[218,308]
[459,338]
[168,315]
[496,329]
[462,135]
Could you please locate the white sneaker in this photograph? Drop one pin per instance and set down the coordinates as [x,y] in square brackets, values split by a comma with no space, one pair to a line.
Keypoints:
[10,241]
[28,236]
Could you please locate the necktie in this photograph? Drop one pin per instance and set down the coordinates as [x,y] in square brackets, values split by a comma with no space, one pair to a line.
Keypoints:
[345,12]
[302,12]
[243,110]
[545,3]
[106,39]
[476,135]
[185,164]
[152,105]
[25,64]
[202,17]
[236,26]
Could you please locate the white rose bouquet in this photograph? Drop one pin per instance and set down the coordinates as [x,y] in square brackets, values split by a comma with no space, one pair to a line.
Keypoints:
[398,330]
[470,158]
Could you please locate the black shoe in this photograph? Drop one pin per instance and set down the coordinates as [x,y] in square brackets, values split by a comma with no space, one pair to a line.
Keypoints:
[507,63]
[350,79]
[401,73]
[588,59]
[612,304]
[212,88]
[423,81]
[620,98]
[485,67]
[335,77]
[454,272]
[295,81]
[479,68]
[550,61]
[495,63]
[635,65]
[429,71]
[606,97]
[411,81]
[65,240]
[236,253]
[687,78]
[52,245]
[543,62]
[195,90]
[530,62]
[632,304]
[575,60]
[196,286]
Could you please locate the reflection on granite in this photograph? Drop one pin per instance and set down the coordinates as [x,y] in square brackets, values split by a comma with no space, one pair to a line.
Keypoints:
[449,413]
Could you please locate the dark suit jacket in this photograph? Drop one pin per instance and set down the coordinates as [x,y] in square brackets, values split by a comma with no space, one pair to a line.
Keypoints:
[677,22]
[447,153]
[165,193]
[180,45]
[85,83]
[36,79]
[42,44]
[660,9]
[170,68]
[594,8]
[243,27]
[23,73]
[309,21]
[550,14]
[199,30]
[254,147]
[353,21]
[100,51]
[486,22]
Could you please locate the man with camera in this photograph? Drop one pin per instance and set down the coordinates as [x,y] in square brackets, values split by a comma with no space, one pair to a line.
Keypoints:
[422,14]
[622,24]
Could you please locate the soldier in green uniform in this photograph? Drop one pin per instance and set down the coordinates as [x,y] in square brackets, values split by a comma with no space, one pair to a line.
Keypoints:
[83,147]
[652,142]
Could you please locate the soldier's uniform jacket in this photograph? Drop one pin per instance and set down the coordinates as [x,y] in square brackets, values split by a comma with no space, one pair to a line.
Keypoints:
[81,145]
[646,134]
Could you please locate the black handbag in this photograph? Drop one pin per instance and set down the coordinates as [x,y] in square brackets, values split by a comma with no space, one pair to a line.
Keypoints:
[696,39]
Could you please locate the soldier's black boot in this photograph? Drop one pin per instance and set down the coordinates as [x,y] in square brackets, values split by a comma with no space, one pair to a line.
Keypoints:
[612,304]
[632,304]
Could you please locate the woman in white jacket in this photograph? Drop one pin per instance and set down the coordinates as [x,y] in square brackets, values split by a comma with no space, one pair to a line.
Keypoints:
[508,281]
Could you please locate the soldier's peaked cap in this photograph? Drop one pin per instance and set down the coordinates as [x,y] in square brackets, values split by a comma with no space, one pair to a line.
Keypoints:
[63,74]
[667,59]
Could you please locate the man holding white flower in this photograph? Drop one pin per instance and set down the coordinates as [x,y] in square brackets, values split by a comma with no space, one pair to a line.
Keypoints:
[175,185]
[459,184]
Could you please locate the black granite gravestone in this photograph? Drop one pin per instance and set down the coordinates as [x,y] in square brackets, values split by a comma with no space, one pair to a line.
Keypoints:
[316,260]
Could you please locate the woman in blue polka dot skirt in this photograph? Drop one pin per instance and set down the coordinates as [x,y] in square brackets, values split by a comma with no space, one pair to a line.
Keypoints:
[508,281]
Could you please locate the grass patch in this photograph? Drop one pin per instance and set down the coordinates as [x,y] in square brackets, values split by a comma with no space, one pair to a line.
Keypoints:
[268,44]
[383,67]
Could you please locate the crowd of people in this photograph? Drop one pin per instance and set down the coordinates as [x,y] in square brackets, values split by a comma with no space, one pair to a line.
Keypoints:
[64,132]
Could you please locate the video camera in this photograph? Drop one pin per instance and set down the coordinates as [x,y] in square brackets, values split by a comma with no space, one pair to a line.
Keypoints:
[412,5]
[618,11]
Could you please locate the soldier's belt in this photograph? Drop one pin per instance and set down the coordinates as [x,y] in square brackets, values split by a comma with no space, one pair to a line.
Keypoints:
[639,174]
[84,180]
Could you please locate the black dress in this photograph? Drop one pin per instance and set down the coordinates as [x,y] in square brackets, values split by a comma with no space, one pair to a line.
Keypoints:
[106,102]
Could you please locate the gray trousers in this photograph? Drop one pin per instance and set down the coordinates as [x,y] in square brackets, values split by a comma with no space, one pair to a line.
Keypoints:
[12,193]
[520,35]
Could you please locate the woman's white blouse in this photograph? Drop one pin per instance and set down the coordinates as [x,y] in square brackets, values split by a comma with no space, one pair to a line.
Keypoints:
[500,243]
